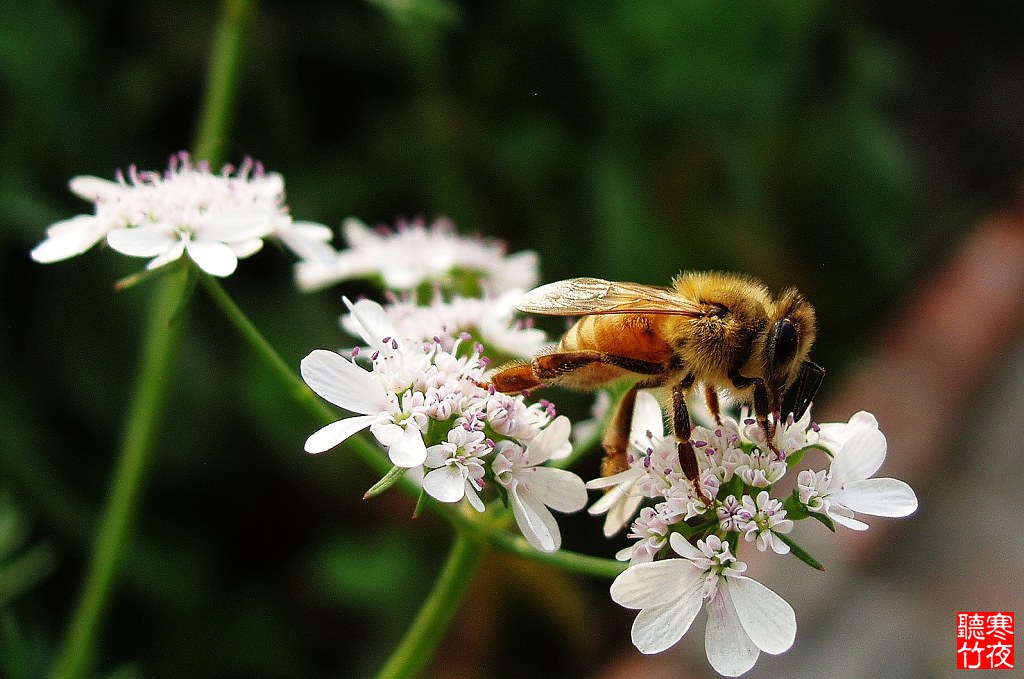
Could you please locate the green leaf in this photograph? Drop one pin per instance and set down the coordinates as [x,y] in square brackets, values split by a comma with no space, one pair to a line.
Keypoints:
[390,479]
[795,510]
[799,552]
[824,519]
[421,503]
[793,459]
[733,540]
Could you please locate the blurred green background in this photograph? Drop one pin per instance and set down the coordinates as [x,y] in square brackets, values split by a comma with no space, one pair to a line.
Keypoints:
[840,148]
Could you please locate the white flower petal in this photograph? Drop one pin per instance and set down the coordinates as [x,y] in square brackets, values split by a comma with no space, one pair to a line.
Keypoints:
[309,241]
[614,479]
[357,234]
[336,432]
[372,321]
[608,500]
[730,651]
[237,225]
[863,419]
[535,522]
[141,241]
[446,483]
[436,456]
[860,457]
[659,628]
[313,275]
[559,489]
[68,238]
[847,521]
[343,383]
[213,257]
[879,497]
[388,434]
[621,514]
[624,554]
[408,451]
[94,188]
[647,417]
[474,500]
[683,548]
[552,443]
[169,255]
[314,231]
[656,583]
[766,617]
[246,248]
[832,435]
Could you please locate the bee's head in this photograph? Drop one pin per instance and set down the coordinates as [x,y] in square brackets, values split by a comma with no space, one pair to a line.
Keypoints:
[790,335]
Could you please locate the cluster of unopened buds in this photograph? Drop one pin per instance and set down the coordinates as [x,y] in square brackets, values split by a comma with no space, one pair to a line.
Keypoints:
[418,383]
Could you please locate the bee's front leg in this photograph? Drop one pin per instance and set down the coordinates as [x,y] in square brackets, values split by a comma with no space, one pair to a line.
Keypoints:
[762,406]
[682,429]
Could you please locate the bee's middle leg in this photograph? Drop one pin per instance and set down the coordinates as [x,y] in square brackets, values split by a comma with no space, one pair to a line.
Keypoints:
[616,435]
[714,407]
[764,406]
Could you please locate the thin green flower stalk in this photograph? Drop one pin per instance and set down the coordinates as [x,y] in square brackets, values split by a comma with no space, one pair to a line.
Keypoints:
[222,82]
[417,647]
[162,339]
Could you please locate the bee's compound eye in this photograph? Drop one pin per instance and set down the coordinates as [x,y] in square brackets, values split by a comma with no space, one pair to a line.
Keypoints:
[783,341]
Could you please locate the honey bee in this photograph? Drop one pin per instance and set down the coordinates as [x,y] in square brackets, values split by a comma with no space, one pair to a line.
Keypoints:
[722,331]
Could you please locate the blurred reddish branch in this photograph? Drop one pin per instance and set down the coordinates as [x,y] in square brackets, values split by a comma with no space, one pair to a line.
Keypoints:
[935,356]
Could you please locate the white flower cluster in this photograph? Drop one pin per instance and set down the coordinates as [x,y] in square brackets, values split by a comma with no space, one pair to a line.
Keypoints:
[424,403]
[216,219]
[414,254]
[489,319]
[438,284]
[738,471]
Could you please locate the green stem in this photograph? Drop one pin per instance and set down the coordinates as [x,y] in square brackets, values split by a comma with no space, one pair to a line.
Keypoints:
[583,564]
[163,334]
[298,390]
[222,83]
[421,640]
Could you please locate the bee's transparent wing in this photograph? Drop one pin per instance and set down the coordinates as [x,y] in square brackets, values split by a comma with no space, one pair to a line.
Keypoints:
[587,296]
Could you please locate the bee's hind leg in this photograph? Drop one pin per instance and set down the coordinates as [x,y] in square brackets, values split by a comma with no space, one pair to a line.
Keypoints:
[514,378]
